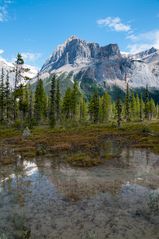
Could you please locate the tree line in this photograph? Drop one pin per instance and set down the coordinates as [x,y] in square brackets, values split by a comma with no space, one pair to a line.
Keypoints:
[20,106]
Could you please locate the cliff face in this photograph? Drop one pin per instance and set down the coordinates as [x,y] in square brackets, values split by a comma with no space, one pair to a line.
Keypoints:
[104,66]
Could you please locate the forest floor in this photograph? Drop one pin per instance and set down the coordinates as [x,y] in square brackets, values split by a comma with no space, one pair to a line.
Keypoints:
[78,146]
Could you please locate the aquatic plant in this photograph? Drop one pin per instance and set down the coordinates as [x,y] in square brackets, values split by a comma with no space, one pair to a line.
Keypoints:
[153,202]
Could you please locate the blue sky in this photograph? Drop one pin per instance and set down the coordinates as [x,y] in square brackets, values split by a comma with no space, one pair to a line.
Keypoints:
[36,27]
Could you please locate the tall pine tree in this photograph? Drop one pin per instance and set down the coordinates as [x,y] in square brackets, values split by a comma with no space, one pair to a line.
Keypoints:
[94,108]
[8,103]
[127,103]
[67,105]
[40,105]
[52,105]
[146,103]
[2,97]
[119,112]
[58,102]
[18,76]
[141,108]
[75,99]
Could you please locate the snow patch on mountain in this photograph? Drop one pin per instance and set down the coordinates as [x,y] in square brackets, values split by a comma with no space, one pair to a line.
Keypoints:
[106,65]
[29,71]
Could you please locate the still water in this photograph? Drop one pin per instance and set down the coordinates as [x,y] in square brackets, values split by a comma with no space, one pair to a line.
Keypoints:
[41,198]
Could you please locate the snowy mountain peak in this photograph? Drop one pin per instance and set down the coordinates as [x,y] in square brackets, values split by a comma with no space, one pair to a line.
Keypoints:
[71,38]
[152,50]
[61,47]
[149,55]
[29,71]
[77,52]
[102,65]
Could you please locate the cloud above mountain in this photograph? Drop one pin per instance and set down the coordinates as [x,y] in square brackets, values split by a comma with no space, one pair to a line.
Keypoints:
[143,41]
[114,24]
[30,56]
[1,51]
[137,41]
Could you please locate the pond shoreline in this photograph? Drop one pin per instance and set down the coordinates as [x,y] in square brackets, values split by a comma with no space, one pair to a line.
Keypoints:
[64,183]
[48,197]
[80,144]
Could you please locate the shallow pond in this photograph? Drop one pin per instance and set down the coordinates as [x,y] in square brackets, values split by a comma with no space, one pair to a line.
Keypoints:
[119,199]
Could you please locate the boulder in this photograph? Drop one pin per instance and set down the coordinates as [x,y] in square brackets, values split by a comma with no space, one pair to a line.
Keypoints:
[26,133]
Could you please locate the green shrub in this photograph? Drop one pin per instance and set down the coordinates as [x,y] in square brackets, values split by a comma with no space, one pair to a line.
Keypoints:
[145,129]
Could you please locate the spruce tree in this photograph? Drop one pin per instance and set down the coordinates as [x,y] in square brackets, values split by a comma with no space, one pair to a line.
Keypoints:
[18,76]
[58,102]
[67,101]
[133,107]
[75,100]
[30,107]
[127,103]
[114,111]
[152,109]
[83,109]
[119,112]
[2,97]
[8,98]
[40,102]
[106,107]
[137,107]
[23,101]
[157,111]
[141,108]
[53,99]
[101,111]
[146,103]
[94,108]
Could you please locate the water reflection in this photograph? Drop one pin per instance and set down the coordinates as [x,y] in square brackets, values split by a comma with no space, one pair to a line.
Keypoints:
[119,199]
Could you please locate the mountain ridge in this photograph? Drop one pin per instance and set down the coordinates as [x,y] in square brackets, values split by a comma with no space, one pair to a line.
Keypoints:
[104,66]
[98,66]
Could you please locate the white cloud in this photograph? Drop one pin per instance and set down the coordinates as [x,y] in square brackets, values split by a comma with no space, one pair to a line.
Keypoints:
[136,48]
[132,37]
[4,10]
[1,51]
[137,42]
[3,14]
[126,53]
[114,23]
[30,56]
[143,41]
[1,57]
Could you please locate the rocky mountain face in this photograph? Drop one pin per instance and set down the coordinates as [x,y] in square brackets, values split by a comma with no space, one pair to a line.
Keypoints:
[75,52]
[148,56]
[29,71]
[103,66]
[81,60]
[95,66]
